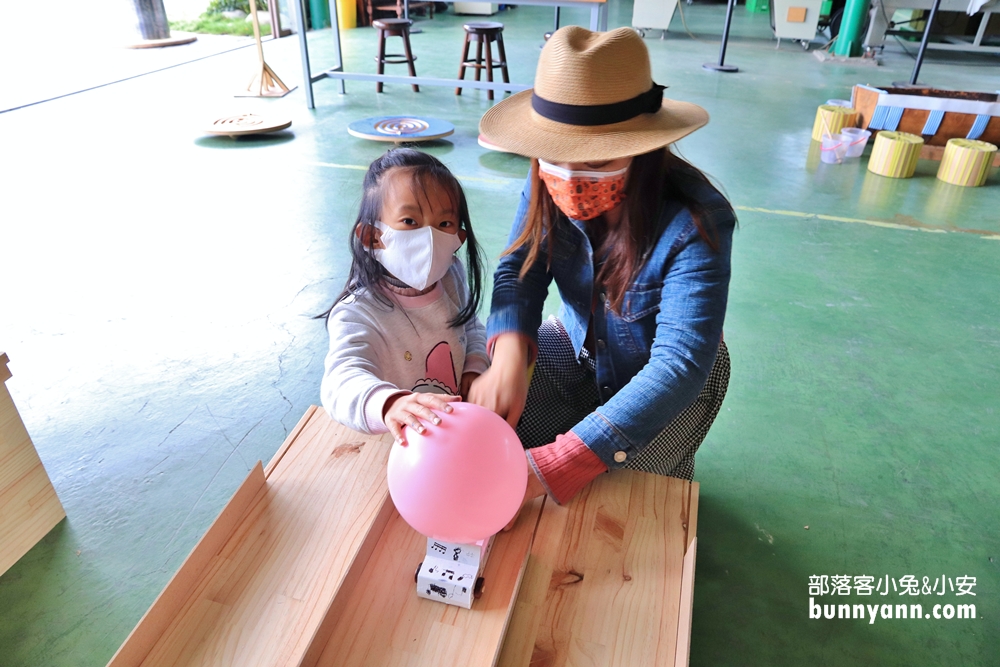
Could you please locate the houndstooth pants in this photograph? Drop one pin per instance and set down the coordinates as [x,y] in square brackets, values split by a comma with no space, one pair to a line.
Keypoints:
[563,391]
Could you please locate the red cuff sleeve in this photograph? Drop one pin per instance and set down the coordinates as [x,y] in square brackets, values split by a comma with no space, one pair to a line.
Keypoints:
[565,466]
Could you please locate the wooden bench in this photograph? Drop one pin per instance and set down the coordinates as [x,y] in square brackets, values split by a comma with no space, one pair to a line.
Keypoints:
[310,564]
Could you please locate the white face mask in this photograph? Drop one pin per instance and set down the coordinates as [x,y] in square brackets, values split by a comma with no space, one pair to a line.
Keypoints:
[567,174]
[418,257]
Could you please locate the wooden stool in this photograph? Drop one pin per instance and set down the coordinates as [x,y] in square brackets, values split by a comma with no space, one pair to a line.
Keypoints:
[484,33]
[394,28]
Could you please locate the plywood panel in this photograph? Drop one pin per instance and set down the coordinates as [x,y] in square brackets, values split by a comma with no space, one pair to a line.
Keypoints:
[604,579]
[683,652]
[383,622]
[169,603]
[260,597]
[29,507]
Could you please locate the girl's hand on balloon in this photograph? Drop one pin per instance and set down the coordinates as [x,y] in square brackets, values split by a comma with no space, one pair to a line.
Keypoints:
[533,490]
[408,409]
[503,388]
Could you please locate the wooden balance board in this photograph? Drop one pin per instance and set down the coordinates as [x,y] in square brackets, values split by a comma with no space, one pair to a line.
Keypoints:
[400,129]
[310,564]
[245,124]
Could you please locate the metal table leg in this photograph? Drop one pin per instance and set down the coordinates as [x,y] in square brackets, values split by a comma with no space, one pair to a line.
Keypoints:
[923,43]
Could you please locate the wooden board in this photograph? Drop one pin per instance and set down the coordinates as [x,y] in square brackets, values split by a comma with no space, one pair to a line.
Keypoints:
[384,623]
[29,507]
[609,577]
[913,120]
[172,599]
[271,576]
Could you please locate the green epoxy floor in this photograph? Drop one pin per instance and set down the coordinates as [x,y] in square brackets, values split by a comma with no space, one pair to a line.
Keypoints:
[158,286]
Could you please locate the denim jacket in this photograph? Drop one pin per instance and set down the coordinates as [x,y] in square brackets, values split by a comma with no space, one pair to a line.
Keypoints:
[653,359]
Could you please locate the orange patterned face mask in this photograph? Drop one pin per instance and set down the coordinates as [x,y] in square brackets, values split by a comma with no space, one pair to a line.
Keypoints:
[583,195]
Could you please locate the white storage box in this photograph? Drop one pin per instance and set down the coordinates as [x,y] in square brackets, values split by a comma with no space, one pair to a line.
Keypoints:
[653,14]
[796,19]
[478,8]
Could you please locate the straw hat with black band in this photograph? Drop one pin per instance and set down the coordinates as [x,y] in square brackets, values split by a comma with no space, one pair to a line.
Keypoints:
[594,99]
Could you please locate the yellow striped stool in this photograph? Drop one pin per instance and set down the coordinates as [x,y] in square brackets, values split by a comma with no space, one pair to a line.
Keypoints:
[895,154]
[966,162]
[831,119]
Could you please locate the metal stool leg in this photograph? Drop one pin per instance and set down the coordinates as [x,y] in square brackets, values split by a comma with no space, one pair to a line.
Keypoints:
[461,67]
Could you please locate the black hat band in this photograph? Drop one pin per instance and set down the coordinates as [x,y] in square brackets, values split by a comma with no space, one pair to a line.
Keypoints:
[600,114]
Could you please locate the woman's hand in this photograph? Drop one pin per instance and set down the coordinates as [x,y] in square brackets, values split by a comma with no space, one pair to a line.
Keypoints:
[504,387]
[408,409]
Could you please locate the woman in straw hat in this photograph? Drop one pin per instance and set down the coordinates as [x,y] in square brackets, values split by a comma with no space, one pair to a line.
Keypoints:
[634,370]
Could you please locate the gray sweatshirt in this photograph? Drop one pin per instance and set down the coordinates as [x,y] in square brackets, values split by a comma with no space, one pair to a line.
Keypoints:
[377,351]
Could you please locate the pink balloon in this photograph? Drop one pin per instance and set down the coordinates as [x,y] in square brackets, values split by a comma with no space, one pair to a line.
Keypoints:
[460,481]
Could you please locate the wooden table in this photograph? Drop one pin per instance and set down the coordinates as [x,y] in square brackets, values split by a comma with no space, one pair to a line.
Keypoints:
[310,564]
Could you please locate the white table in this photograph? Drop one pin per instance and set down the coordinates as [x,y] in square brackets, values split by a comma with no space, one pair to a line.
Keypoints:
[882,11]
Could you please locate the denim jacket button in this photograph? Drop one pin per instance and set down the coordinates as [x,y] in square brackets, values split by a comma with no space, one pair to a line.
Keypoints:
[601,344]
[620,457]
[603,297]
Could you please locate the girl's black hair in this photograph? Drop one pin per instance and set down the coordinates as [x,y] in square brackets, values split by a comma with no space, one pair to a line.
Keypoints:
[366,271]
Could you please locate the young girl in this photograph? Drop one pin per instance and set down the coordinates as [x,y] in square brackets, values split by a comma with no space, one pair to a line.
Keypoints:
[404,334]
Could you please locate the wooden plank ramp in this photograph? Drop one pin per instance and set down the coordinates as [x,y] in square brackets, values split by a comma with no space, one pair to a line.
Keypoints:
[283,575]
[29,507]
[610,577]
[384,624]
[265,574]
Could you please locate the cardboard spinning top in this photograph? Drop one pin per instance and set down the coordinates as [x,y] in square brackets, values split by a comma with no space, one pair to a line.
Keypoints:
[400,129]
[247,123]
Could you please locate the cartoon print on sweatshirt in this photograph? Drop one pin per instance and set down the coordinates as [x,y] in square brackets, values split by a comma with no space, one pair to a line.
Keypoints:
[439,372]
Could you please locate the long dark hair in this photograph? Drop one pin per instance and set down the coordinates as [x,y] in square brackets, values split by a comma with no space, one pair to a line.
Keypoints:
[652,178]
[426,171]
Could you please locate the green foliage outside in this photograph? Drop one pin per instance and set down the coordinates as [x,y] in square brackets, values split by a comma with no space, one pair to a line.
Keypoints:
[212,22]
[217,24]
[219,6]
